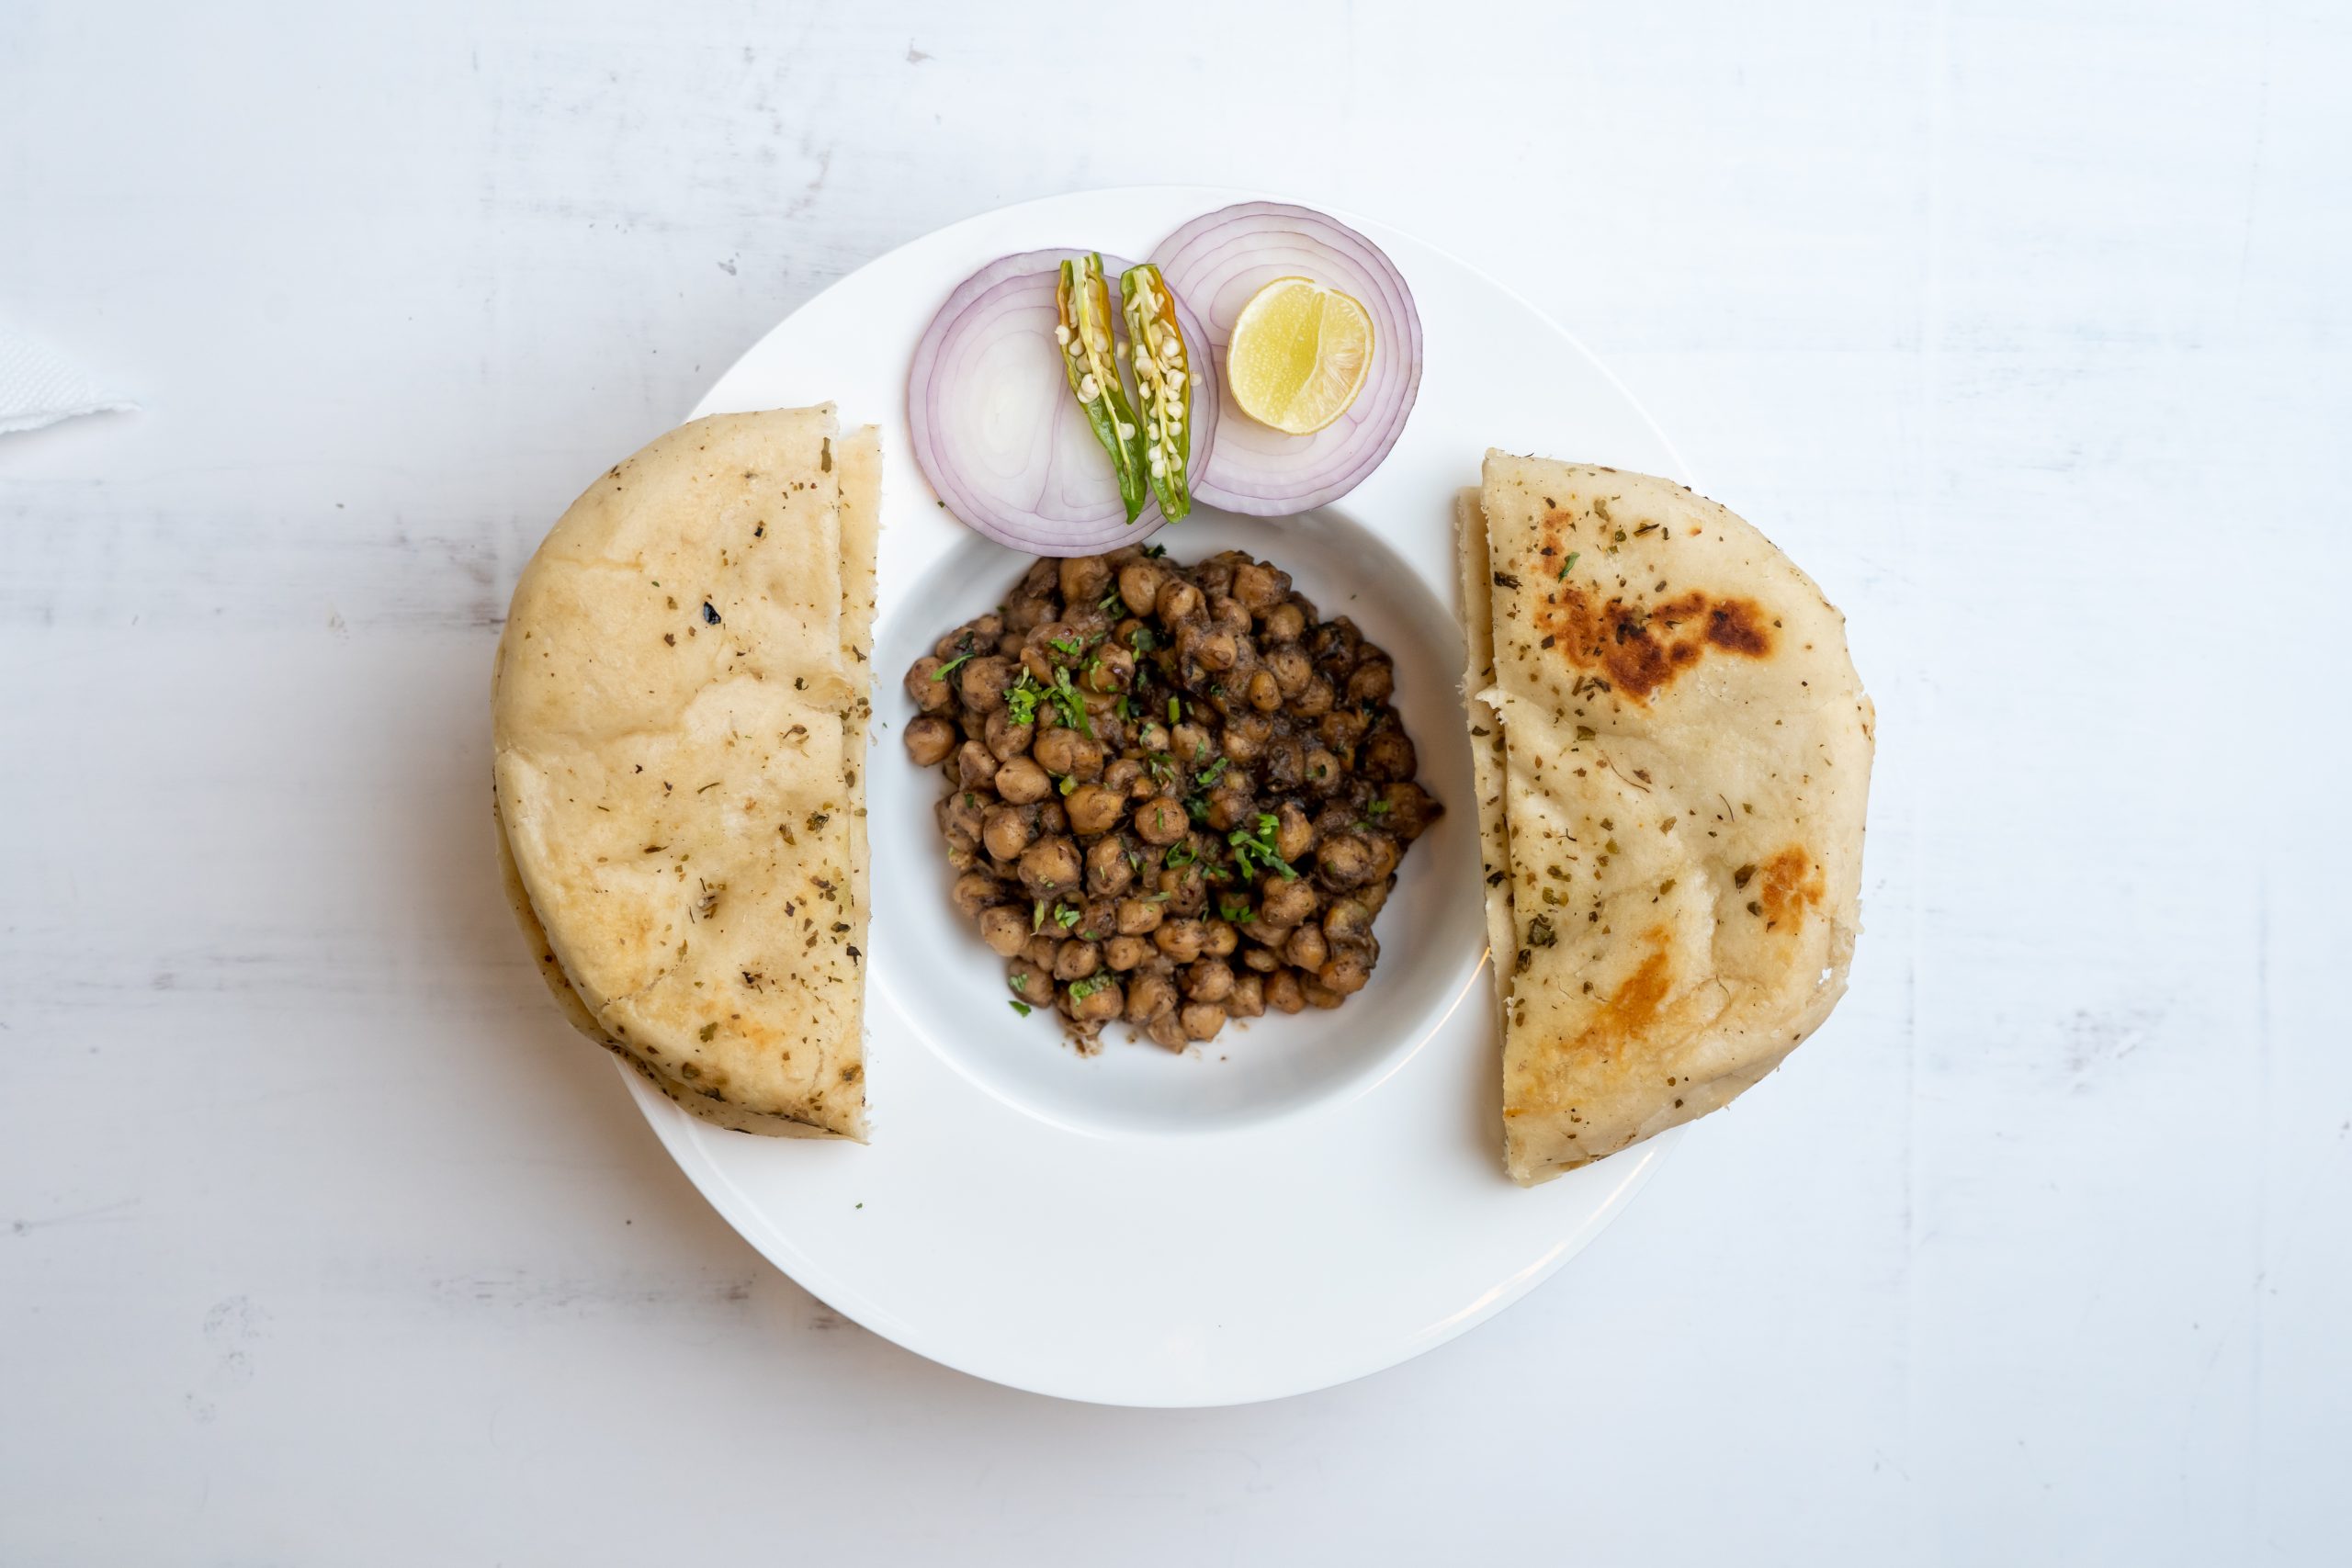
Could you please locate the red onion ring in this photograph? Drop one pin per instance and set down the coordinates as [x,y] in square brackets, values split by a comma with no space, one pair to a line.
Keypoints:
[1214,265]
[996,430]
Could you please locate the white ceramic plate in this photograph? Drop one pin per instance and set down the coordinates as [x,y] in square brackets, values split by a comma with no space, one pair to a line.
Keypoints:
[1304,1201]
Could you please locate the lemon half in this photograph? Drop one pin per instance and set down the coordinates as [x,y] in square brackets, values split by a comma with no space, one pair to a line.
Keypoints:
[1298,355]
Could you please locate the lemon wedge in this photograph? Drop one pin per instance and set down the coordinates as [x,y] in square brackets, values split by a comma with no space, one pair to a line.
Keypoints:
[1298,355]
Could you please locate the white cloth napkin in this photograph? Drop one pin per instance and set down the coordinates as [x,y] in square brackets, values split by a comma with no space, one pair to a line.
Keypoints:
[37,388]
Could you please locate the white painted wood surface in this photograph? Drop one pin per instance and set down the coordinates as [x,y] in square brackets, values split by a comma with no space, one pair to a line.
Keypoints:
[2023,327]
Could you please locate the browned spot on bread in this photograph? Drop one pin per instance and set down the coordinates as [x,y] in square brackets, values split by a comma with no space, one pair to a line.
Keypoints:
[1634,1006]
[1638,648]
[1790,881]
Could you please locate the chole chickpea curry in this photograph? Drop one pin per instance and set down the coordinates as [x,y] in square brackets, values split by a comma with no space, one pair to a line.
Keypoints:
[1176,796]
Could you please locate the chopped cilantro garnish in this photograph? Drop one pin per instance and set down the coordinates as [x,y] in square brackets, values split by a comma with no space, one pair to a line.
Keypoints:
[941,673]
[1082,989]
[1175,710]
[1259,846]
[1210,774]
[1022,1008]
[1069,646]
[1237,911]
[1021,699]
[1065,697]
[1065,917]
[1180,854]
[1153,552]
[1069,782]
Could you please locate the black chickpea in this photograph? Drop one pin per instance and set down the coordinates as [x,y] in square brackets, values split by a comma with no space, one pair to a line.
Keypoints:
[1179,798]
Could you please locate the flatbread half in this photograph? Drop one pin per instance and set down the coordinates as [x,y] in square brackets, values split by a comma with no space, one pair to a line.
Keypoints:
[1686,753]
[679,714]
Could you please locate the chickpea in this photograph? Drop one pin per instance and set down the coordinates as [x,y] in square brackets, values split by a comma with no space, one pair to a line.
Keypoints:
[1096,919]
[1221,940]
[1265,693]
[983,683]
[1319,994]
[1188,742]
[1006,831]
[1260,587]
[1388,755]
[975,891]
[1150,994]
[1077,960]
[1113,668]
[1005,929]
[930,739]
[1283,991]
[1314,699]
[1322,771]
[1108,873]
[1025,612]
[1410,810]
[1178,601]
[1306,948]
[1213,647]
[1373,681]
[1261,959]
[1098,1006]
[1004,738]
[1161,820]
[925,687]
[1050,867]
[1023,782]
[1083,579]
[975,766]
[961,814]
[1230,803]
[1202,1019]
[1069,754]
[1294,834]
[1227,615]
[1051,817]
[1375,898]
[1121,774]
[1209,980]
[1042,948]
[1139,585]
[1138,916]
[1164,1031]
[1033,982]
[1284,763]
[1344,861]
[1123,953]
[1340,730]
[1246,737]
[1283,622]
[1249,999]
[1094,809]
[1384,856]
[1187,889]
[1285,903]
[1347,920]
[1180,940]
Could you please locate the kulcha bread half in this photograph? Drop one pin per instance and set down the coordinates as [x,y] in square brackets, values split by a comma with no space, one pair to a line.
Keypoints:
[1684,762]
[679,712]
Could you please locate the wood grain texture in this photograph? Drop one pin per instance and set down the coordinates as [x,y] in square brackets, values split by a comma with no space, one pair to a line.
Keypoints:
[2022,327]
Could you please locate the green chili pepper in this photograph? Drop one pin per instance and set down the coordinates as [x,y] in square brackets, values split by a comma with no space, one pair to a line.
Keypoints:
[1084,331]
[1162,366]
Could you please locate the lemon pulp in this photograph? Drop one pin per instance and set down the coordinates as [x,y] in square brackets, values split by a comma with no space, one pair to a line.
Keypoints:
[1298,355]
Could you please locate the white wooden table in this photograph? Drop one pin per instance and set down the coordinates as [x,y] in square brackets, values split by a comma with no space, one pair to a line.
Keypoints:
[2024,328]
